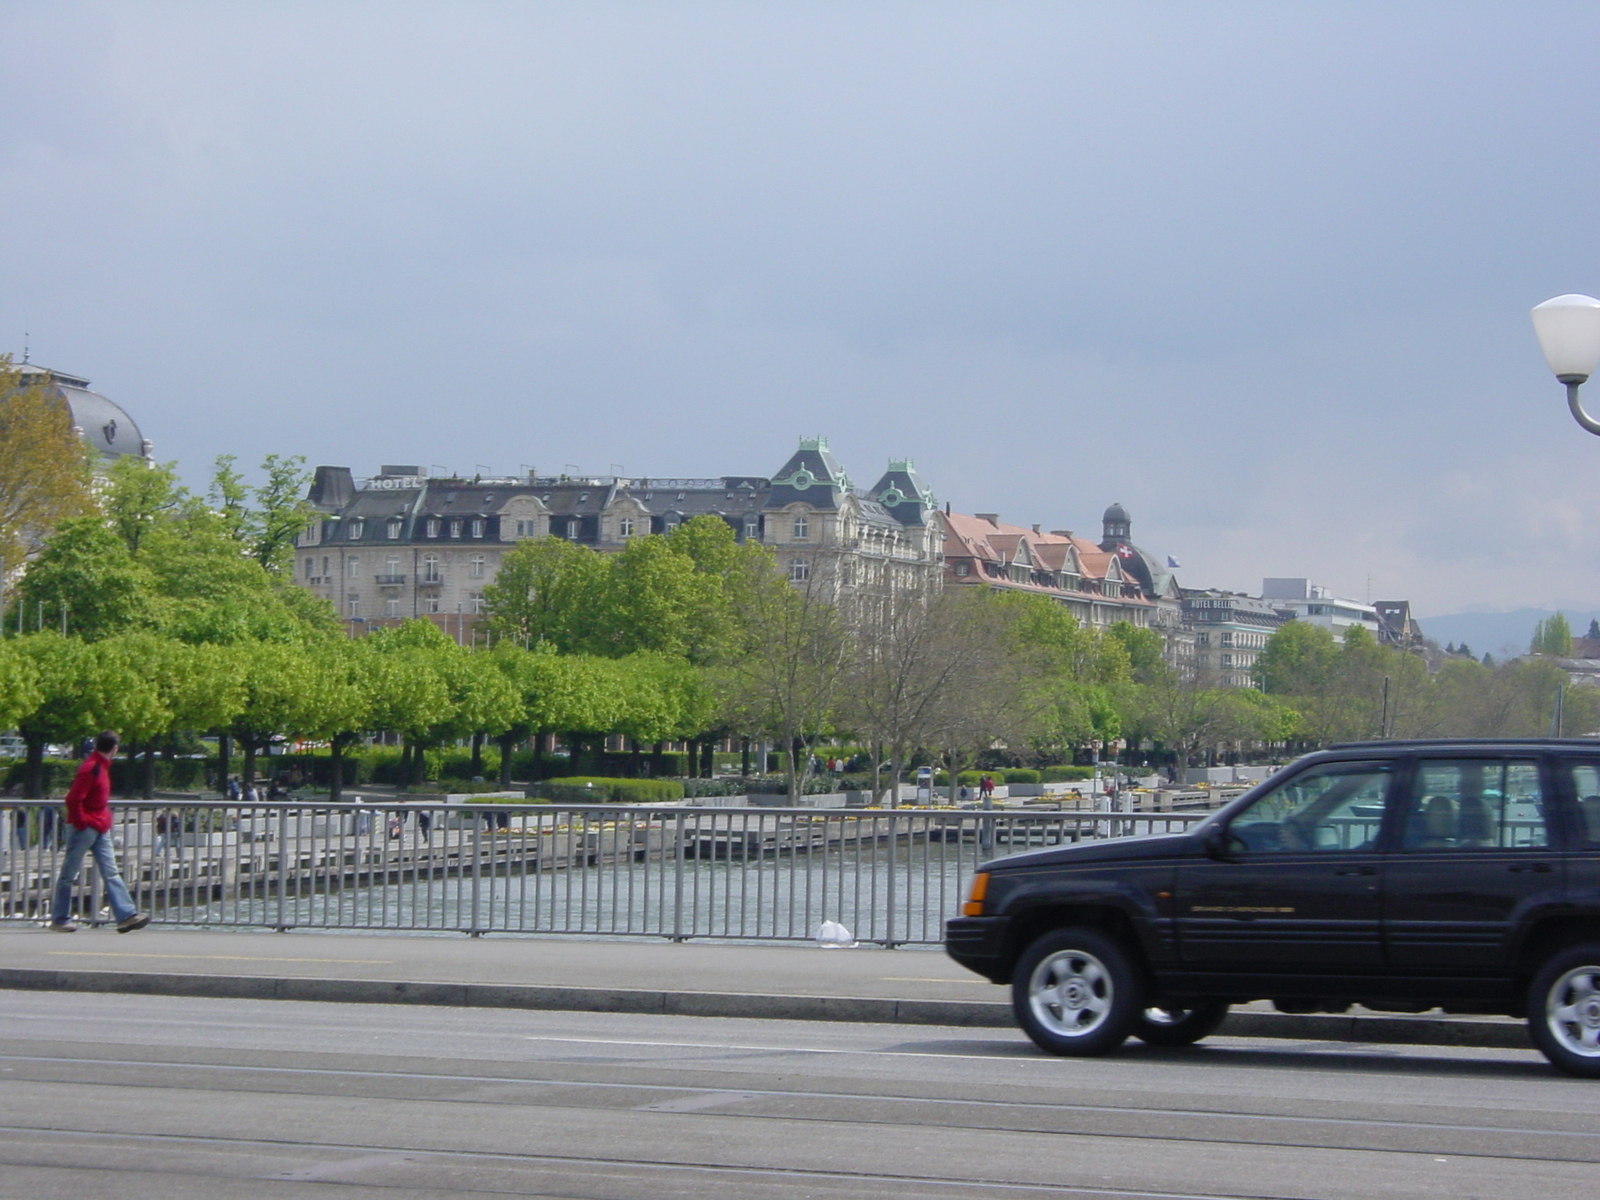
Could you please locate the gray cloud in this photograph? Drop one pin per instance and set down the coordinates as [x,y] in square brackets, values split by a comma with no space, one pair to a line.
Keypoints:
[1258,271]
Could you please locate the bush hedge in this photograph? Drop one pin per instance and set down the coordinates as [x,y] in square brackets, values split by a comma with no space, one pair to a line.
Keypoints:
[584,789]
[1066,774]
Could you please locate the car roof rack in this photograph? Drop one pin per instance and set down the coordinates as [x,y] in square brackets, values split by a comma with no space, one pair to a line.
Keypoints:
[1522,741]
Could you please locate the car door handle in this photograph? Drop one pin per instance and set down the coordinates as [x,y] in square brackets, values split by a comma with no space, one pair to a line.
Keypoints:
[1534,868]
[1358,871]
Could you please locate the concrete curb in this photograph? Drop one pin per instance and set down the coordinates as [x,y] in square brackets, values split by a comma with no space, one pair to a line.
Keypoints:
[1402,1030]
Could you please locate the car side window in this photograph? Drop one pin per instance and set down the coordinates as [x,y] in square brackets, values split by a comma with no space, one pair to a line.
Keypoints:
[1466,804]
[1330,808]
[1586,787]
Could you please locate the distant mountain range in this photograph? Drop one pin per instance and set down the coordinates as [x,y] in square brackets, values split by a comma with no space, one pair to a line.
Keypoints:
[1499,634]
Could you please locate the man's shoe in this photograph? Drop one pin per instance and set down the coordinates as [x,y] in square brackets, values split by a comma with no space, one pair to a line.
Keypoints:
[62,927]
[129,924]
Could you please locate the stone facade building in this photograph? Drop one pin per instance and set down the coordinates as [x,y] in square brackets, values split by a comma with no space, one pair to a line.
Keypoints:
[1100,584]
[1230,631]
[404,544]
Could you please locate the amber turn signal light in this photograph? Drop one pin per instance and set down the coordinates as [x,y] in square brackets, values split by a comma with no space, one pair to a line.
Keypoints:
[980,888]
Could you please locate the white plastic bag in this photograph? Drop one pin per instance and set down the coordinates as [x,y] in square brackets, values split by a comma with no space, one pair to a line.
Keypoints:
[833,936]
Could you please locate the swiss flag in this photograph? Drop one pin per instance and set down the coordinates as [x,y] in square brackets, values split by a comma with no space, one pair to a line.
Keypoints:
[1124,551]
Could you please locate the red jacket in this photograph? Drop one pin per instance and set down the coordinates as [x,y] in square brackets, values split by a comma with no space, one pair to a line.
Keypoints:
[89,797]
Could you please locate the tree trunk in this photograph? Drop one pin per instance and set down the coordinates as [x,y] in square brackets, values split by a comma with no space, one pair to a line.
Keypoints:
[744,758]
[249,774]
[224,761]
[33,775]
[508,742]
[477,756]
[336,762]
[150,773]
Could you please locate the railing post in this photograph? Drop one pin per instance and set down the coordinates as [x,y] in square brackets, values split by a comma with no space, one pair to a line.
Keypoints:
[677,880]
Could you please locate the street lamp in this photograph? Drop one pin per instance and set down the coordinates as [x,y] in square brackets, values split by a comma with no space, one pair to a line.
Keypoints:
[1568,329]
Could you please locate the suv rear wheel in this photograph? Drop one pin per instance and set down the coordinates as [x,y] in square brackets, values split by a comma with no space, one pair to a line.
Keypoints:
[1076,992]
[1564,1010]
[1180,1026]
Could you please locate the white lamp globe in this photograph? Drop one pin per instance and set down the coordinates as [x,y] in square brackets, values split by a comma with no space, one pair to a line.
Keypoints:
[1568,329]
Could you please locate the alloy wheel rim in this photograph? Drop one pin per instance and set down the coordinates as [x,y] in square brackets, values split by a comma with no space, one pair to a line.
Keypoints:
[1070,993]
[1572,1011]
[1166,1016]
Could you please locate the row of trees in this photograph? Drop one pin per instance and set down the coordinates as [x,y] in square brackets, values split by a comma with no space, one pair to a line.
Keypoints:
[160,612]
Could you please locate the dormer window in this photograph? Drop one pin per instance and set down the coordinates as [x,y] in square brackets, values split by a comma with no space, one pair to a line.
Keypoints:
[395,525]
[802,528]
[433,526]
[357,528]
[455,529]
[625,527]
[477,528]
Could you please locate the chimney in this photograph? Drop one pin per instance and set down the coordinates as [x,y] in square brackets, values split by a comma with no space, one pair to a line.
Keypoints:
[1066,533]
[992,518]
[1036,527]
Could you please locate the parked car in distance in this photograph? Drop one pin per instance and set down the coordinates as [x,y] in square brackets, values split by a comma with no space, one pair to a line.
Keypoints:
[1402,876]
[12,747]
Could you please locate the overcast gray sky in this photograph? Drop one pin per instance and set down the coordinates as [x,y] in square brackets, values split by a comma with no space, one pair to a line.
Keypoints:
[1260,272]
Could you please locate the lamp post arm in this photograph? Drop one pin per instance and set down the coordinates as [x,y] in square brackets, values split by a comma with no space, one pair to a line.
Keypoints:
[1578,415]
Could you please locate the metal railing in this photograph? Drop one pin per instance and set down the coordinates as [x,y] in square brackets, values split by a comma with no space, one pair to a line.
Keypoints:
[892,877]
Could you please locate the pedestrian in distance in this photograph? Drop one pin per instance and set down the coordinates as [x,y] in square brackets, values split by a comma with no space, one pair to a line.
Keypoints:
[89,832]
[986,787]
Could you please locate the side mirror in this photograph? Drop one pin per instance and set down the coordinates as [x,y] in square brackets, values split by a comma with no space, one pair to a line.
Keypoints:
[1214,842]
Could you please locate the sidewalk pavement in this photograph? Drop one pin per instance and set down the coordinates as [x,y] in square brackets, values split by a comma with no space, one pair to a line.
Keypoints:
[780,982]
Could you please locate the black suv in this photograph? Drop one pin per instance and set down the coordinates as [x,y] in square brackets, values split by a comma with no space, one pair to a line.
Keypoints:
[1402,876]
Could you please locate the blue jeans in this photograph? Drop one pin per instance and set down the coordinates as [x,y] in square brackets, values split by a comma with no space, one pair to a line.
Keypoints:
[79,843]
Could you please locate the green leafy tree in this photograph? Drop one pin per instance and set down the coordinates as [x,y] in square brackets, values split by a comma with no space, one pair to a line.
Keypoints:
[19,685]
[1552,636]
[86,579]
[139,497]
[80,690]
[546,591]
[44,467]
[280,513]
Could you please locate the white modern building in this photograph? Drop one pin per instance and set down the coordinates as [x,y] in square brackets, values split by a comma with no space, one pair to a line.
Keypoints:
[1318,606]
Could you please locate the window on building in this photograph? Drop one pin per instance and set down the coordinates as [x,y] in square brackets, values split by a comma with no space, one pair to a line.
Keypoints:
[430,604]
[799,570]
[394,528]
[625,527]
[325,566]
[573,526]
[433,526]
[357,528]
[752,529]
[477,529]
[391,607]
[455,529]
[475,602]
[1226,640]
[391,566]
[963,569]
[308,568]
[802,529]
[1227,660]
[354,567]
[352,606]
[475,566]
[430,568]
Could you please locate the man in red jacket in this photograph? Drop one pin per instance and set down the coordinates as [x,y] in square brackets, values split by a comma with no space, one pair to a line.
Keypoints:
[89,829]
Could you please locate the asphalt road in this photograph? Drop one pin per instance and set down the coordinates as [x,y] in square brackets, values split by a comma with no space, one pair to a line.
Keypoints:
[140,1098]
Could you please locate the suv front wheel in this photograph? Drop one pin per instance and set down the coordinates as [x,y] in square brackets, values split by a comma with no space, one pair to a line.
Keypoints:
[1180,1026]
[1076,992]
[1564,1010]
